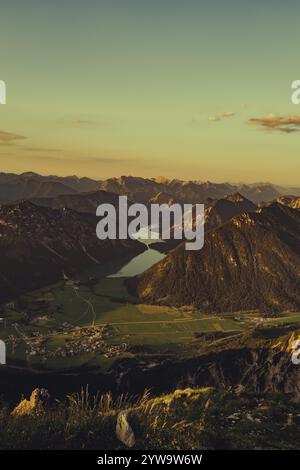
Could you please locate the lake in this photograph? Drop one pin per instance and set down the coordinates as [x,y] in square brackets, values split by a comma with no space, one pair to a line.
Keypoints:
[139,263]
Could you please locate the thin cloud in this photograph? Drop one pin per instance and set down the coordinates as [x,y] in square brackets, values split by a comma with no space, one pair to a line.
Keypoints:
[84,121]
[39,149]
[10,138]
[85,160]
[219,116]
[285,124]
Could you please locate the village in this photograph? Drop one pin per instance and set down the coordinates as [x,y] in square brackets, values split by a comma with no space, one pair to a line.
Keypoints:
[79,340]
[63,341]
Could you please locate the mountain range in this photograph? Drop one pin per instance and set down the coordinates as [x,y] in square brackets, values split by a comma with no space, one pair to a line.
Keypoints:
[189,192]
[30,185]
[250,260]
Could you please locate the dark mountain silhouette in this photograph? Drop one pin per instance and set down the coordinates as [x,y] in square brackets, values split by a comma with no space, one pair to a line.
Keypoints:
[26,189]
[258,193]
[81,202]
[222,210]
[251,262]
[39,244]
[30,185]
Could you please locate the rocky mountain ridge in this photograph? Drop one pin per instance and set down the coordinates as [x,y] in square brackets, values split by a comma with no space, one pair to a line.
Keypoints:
[251,262]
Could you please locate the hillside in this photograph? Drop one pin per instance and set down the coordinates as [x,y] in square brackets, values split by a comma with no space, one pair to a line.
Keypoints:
[80,202]
[38,244]
[189,419]
[291,201]
[10,192]
[32,185]
[222,210]
[258,253]
[217,212]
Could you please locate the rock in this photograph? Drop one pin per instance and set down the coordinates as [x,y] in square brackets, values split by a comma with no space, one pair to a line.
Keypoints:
[36,405]
[207,404]
[239,389]
[124,431]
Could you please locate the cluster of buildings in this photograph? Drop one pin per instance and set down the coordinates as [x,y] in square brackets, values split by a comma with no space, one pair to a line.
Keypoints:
[86,340]
[79,340]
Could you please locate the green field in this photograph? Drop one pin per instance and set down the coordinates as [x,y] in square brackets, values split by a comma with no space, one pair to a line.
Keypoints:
[152,328]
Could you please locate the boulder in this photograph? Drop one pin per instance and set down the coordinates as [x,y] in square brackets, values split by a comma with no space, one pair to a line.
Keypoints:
[36,405]
[124,431]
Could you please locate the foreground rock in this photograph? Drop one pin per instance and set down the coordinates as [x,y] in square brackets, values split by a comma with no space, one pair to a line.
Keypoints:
[192,418]
[36,405]
[124,431]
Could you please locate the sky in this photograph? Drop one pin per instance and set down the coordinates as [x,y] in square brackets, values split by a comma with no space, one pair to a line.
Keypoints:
[186,89]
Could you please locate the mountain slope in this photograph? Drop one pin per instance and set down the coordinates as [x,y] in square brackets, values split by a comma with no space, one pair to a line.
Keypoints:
[216,213]
[224,209]
[30,185]
[291,201]
[80,202]
[26,189]
[39,244]
[192,418]
[251,262]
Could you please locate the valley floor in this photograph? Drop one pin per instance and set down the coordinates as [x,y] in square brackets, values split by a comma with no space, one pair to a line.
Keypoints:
[73,324]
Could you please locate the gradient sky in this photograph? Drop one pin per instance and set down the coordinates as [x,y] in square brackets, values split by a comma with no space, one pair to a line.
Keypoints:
[147,87]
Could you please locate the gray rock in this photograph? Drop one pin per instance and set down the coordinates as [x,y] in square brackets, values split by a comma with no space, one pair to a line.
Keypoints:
[124,431]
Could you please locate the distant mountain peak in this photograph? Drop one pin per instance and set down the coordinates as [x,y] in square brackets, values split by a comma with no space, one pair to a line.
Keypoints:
[161,179]
[236,197]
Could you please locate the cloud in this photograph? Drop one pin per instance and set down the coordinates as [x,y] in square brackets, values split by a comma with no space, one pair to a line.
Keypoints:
[286,124]
[219,116]
[85,160]
[9,138]
[84,121]
[39,149]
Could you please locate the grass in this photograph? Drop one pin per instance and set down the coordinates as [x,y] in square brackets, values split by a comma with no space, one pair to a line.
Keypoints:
[182,420]
[162,329]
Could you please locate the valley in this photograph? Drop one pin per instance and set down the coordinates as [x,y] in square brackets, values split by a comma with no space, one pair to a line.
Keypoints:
[125,316]
[70,310]
[93,323]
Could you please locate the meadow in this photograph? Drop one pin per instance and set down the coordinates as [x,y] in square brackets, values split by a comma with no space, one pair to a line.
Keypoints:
[147,329]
